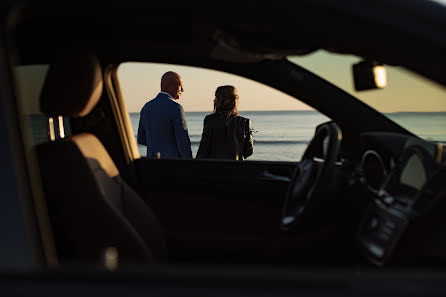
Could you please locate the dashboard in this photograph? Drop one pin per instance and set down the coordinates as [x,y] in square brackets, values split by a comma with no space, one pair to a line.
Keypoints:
[405,178]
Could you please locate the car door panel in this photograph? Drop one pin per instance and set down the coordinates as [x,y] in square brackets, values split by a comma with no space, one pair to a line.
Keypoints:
[227,210]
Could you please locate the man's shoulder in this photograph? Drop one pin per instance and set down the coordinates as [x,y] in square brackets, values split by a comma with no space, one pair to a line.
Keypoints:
[159,99]
[173,103]
[165,104]
[174,106]
[148,103]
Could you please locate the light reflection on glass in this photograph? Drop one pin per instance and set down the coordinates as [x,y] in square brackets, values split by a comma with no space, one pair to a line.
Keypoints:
[380,75]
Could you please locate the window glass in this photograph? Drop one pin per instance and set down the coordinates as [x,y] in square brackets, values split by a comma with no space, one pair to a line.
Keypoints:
[413,102]
[282,126]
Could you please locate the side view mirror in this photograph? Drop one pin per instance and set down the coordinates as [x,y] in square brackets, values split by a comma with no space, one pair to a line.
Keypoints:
[369,75]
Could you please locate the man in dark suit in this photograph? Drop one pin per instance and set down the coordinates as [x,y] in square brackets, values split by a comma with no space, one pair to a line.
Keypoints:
[162,123]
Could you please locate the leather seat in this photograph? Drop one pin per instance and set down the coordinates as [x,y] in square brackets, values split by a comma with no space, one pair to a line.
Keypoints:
[91,208]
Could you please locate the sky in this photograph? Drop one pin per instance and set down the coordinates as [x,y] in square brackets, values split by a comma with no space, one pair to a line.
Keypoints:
[405,91]
[140,82]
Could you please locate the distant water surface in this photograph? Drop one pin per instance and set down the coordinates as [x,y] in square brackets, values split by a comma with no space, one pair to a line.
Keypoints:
[427,125]
[279,135]
[284,135]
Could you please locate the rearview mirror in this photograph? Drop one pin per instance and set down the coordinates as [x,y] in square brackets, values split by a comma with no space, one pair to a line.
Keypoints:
[369,75]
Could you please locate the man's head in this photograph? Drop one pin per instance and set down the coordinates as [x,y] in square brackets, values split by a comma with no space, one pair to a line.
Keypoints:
[172,83]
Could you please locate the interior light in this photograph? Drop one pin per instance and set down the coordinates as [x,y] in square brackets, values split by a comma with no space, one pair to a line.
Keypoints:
[379,72]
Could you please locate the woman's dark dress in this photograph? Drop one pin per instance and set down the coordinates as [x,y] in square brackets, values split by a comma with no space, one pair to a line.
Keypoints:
[226,138]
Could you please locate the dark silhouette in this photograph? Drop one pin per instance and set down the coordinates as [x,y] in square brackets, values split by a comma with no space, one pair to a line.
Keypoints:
[226,135]
[162,124]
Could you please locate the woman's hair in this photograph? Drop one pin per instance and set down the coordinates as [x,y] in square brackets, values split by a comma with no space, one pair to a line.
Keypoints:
[225,102]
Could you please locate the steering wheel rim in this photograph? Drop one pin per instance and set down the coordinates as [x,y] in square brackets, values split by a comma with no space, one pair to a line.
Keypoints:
[310,178]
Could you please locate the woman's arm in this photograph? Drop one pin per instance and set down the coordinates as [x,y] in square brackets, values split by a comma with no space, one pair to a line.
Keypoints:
[205,142]
[248,147]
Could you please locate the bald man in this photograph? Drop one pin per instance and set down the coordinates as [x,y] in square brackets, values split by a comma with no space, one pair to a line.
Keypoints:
[162,123]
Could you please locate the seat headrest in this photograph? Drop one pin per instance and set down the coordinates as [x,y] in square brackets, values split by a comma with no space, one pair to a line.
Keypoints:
[73,85]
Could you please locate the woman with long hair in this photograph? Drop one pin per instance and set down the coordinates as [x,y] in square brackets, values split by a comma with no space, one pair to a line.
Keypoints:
[226,135]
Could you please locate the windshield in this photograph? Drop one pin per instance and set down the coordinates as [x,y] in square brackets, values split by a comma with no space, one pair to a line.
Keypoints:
[413,102]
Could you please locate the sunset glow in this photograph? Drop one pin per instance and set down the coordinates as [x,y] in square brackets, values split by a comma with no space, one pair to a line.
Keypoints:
[404,91]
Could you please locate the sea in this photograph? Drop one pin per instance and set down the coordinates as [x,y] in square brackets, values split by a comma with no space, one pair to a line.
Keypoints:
[284,135]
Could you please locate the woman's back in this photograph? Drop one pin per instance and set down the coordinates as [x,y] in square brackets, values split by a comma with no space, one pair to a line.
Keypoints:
[226,138]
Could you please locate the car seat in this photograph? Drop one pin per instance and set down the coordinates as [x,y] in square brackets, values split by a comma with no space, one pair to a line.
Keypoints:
[92,210]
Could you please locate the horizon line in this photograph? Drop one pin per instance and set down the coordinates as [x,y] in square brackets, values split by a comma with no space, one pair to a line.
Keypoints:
[246,110]
[267,110]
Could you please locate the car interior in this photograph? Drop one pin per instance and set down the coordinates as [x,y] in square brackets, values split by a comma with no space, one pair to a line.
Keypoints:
[367,193]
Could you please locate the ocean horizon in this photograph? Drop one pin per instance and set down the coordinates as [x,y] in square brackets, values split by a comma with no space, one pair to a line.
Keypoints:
[284,135]
[278,135]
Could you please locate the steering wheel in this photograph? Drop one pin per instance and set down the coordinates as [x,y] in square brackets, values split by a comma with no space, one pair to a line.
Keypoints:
[311,178]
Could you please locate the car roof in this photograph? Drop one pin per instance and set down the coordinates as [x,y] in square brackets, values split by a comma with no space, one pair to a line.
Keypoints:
[406,33]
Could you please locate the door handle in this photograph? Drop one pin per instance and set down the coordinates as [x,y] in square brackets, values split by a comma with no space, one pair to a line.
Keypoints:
[274,177]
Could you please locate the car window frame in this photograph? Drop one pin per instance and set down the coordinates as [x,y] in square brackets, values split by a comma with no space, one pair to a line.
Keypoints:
[120,113]
[27,243]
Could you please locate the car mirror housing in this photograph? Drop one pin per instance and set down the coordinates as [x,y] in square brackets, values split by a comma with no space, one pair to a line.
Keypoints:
[369,75]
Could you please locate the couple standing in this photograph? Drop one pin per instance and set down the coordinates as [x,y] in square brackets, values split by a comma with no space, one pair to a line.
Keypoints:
[162,125]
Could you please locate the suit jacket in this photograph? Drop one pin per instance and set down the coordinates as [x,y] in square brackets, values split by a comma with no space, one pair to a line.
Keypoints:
[224,138]
[162,128]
